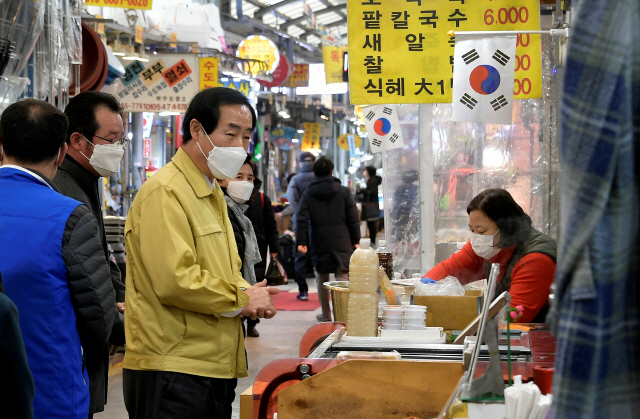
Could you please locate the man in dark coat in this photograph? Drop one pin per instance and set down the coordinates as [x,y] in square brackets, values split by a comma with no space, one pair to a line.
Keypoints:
[370,203]
[297,186]
[330,211]
[94,117]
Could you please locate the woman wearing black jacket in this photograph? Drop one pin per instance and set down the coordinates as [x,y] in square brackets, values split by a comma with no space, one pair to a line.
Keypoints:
[371,213]
[260,212]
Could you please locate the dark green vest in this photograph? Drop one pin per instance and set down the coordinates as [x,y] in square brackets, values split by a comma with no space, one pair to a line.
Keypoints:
[537,243]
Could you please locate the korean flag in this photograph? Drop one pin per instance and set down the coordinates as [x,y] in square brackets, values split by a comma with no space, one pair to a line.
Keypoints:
[383,127]
[483,75]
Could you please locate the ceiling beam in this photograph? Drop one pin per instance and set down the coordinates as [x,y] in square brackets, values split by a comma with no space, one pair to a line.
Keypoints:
[315,32]
[302,18]
[261,12]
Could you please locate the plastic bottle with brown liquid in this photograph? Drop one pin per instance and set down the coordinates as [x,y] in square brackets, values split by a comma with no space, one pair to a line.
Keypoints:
[362,313]
[385,258]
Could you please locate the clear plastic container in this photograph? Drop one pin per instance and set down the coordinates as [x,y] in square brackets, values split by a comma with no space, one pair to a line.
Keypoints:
[392,326]
[415,321]
[362,316]
[392,320]
[363,269]
[393,311]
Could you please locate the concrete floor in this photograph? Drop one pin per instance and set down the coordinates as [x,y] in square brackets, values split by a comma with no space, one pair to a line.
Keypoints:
[279,338]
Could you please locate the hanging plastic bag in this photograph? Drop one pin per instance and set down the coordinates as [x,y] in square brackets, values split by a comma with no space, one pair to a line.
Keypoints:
[275,273]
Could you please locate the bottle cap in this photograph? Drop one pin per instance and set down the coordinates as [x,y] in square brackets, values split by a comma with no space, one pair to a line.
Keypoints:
[383,243]
[365,243]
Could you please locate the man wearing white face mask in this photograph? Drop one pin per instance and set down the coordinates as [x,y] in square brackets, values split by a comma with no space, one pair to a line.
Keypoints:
[95,138]
[502,233]
[185,288]
[52,262]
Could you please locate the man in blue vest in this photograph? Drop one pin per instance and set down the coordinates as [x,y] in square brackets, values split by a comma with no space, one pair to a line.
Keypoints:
[296,188]
[49,246]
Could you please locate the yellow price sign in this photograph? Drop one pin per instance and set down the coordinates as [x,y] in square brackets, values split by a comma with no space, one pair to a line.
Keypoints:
[332,57]
[208,72]
[311,136]
[399,52]
[139,34]
[123,4]
[100,25]
[174,38]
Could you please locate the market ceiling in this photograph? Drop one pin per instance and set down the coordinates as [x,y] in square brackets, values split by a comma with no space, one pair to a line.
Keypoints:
[286,18]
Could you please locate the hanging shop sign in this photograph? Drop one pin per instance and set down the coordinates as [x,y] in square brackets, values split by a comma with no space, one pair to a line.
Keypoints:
[243,86]
[262,49]
[311,136]
[166,84]
[147,147]
[483,79]
[299,76]
[349,142]
[281,137]
[280,74]
[402,54]
[383,128]
[124,4]
[208,72]
[333,63]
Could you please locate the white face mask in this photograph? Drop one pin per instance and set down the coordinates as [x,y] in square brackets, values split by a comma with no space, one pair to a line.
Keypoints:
[240,190]
[483,245]
[106,158]
[224,162]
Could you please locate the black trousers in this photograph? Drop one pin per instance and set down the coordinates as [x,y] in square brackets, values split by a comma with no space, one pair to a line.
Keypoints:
[373,230]
[303,265]
[173,395]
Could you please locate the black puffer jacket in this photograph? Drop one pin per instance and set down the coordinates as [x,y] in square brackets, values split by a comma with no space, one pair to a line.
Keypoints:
[264,224]
[76,182]
[330,211]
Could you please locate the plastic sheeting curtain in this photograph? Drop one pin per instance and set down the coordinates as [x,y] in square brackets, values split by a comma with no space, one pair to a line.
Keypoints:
[465,159]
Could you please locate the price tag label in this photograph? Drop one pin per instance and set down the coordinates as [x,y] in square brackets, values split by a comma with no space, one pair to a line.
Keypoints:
[139,32]
[124,4]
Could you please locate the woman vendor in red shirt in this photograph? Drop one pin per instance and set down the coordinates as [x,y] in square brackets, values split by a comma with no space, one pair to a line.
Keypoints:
[502,233]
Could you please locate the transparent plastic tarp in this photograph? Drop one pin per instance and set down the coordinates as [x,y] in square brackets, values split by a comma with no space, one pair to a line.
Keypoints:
[467,159]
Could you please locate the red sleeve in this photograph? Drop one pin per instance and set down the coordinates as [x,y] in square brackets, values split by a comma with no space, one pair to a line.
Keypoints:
[464,265]
[531,280]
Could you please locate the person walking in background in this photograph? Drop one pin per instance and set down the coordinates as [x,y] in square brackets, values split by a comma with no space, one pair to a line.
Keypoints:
[328,215]
[370,202]
[295,190]
[52,261]
[237,192]
[96,145]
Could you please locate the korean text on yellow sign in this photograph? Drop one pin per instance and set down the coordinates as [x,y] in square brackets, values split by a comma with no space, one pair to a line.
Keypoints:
[262,49]
[126,4]
[333,62]
[311,137]
[399,51]
[299,76]
[208,72]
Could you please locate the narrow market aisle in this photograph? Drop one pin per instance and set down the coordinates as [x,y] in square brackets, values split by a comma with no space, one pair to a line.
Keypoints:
[279,338]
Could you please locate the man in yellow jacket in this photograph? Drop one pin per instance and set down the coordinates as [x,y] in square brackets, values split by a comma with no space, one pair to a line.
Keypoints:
[185,294]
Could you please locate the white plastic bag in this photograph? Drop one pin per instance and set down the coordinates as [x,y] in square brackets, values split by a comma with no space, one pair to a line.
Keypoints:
[448,286]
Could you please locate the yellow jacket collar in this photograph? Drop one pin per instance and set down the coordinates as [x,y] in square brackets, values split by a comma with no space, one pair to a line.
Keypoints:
[193,174]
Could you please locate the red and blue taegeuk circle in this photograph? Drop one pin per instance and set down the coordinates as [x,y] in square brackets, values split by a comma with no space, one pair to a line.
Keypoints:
[382,126]
[484,79]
